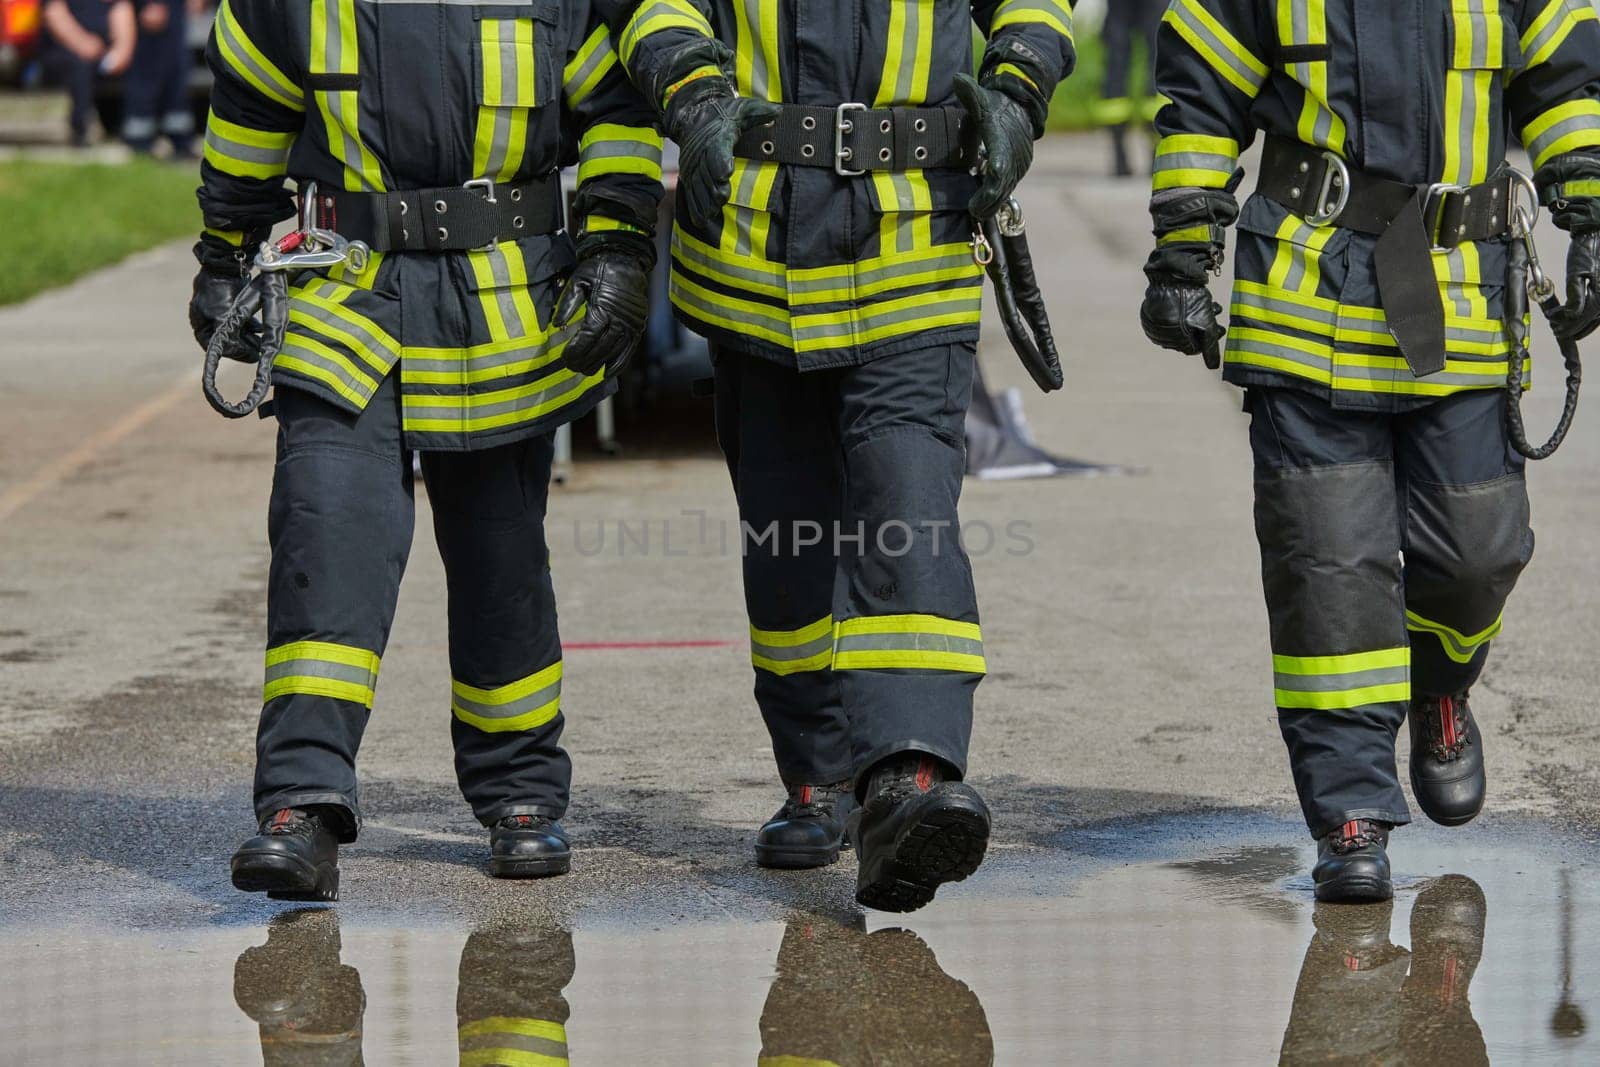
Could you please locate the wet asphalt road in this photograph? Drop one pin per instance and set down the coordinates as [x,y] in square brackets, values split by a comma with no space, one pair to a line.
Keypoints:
[1146,897]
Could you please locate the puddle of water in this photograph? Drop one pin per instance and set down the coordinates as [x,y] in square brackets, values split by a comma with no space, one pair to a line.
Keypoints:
[1491,951]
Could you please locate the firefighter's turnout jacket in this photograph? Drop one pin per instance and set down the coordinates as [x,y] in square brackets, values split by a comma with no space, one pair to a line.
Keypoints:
[1420,91]
[811,267]
[362,95]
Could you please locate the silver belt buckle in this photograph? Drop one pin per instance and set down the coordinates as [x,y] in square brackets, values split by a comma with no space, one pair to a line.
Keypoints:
[1335,182]
[1436,194]
[841,126]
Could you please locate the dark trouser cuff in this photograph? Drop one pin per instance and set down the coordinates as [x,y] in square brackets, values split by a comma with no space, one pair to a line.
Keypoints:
[491,815]
[347,827]
[956,762]
[1393,818]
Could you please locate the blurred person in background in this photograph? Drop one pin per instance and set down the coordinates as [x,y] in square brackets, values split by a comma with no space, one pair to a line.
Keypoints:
[157,97]
[1128,96]
[86,40]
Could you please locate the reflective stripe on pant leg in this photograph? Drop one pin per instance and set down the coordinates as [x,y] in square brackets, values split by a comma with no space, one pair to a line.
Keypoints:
[505,652]
[1467,535]
[776,430]
[1328,525]
[908,652]
[340,525]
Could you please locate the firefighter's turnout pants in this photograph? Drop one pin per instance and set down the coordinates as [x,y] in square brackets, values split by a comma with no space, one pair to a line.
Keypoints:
[864,622]
[340,526]
[1389,543]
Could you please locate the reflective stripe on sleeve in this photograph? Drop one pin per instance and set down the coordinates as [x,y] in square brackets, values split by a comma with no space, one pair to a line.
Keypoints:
[1192,159]
[1220,50]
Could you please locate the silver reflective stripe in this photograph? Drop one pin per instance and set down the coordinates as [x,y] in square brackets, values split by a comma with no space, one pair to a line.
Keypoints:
[776,319]
[1338,683]
[357,381]
[1249,346]
[760,77]
[1542,143]
[1494,379]
[744,216]
[790,653]
[368,345]
[905,76]
[1221,50]
[317,668]
[511,709]
[239,55]
[533,353]
[693,257]
[1209,161]
[906,265]
[869,319]
[1248,301]
[417,407]
[334,102]
[908,642]
[504,296]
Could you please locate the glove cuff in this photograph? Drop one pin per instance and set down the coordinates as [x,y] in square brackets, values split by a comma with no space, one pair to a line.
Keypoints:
[1016,87]
[1183,264]
[217,256]
[692,94]
[1173,210]
[1570,186]
[635,246]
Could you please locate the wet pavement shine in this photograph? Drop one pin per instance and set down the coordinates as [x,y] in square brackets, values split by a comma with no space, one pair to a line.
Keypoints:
[1180,939]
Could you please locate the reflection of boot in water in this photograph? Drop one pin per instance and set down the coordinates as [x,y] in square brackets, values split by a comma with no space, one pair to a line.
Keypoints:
[1347,1002]
[509,1007]
[306,1002]
[1446,943]
[849,998]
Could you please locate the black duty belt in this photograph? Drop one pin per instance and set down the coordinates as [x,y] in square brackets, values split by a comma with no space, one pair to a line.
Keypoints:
[1411,222]
[452,218]
[854,138]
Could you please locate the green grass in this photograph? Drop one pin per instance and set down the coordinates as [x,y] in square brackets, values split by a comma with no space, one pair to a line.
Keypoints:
[1070,109]
[63,220]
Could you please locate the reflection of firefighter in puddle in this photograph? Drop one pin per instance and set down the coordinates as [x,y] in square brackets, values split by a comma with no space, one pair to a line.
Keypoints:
[1362,999]
[306,1002]
[509,1007]
[839,1000]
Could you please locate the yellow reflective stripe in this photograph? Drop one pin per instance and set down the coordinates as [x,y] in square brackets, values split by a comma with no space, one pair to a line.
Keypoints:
[1458,646]
[611,148]
[1349,663]
[1057,14]
[908,51]
[746,223]
[527,403]
[784,652]
[354,383]
[1575,189]
[653,16]
[917,312]
[751,274]
[1192,159]
[1564,128]
[917,642]
[588,66]
[1191,233]
[792,1061]
[1220,50]
[233,237]
[521,705]
[693,75]
[509,1057]
[335,50]
[358,331]
[246,153]
[730,313]
[755,54]
[1016,72]
[602,223]
[518,1024]
[1343,699]
[1298,263]
[1305,22]
[1549,30]
[321,668]
[251,64]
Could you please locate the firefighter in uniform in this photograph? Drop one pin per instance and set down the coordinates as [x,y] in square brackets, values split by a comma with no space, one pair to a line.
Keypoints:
[1119,106]
[450,340]
[823,245]
[1367,329]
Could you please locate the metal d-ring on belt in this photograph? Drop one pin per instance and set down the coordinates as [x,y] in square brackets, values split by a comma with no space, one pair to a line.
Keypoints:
[853,138]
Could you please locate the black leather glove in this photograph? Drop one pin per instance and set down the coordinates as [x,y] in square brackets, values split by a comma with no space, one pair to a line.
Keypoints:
[224,272]
[1178,312]
[612,280]
[1006,130]
[1580,315]
[706,119]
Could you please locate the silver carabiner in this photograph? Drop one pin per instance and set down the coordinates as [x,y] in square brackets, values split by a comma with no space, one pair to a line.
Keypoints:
[311,247]
[1523,217]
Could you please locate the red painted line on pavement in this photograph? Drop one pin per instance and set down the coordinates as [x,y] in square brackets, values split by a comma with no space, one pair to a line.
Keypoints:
[606,646]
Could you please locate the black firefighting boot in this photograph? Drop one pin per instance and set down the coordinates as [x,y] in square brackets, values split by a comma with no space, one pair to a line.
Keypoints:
[294,857]
[808,831]
[1121,166]
[528,846]
[917,828]
[1352,864]
[1446,759]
